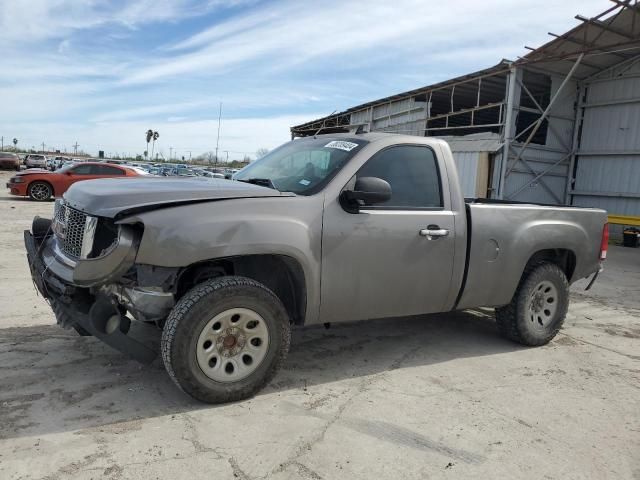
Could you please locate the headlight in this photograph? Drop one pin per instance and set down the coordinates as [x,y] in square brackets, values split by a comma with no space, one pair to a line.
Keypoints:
[17,180]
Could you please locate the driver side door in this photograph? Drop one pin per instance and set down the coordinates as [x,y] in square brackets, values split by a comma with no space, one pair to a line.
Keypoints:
[378,262]
[78,173]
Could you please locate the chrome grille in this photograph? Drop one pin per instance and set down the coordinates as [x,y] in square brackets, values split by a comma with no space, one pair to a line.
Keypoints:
[69,226]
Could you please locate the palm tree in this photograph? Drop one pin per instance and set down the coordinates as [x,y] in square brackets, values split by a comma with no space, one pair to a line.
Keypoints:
[149,137]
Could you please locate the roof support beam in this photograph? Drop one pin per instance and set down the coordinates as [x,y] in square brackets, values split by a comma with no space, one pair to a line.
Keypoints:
[627,4]
[584,64]
[579,42]
[629,62]
[605,26]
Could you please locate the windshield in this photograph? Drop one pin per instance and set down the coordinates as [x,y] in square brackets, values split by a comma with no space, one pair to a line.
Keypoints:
[302,166]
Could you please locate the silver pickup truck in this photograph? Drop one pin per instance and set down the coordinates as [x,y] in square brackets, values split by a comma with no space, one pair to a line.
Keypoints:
[332,228]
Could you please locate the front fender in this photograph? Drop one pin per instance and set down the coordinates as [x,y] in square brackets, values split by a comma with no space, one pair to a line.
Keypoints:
[183,235]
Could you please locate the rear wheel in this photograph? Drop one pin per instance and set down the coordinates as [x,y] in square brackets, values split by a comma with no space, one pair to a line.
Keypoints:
[225,339]
[40,191]
[538,308]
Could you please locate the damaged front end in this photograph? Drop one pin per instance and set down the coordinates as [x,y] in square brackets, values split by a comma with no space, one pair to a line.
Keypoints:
[85,267]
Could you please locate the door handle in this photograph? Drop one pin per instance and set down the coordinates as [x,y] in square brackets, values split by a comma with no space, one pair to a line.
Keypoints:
[433,232]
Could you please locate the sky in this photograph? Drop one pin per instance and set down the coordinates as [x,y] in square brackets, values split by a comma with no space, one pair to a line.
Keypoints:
[101,73]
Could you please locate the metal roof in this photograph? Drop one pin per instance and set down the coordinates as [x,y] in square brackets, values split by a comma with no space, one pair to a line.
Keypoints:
[607,39]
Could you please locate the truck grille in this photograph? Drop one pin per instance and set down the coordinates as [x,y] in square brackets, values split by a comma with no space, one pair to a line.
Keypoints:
[69,228]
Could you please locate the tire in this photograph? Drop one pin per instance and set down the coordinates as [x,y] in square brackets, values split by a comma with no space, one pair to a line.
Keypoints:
[207,355]
[40,191]
[538,308]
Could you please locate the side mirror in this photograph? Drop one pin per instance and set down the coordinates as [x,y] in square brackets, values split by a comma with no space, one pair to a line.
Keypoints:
[367,191]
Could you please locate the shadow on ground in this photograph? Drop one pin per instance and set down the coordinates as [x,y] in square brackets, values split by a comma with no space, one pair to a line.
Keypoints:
[15,198]
[54,381]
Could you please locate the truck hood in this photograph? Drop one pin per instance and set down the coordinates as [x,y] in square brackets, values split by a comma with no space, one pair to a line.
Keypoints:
[110,197]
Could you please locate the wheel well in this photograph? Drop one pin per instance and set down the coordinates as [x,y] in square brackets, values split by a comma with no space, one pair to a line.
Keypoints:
[283,275]
[562,257]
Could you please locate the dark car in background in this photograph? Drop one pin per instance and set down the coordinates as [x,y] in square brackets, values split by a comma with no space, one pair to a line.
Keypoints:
[9,161]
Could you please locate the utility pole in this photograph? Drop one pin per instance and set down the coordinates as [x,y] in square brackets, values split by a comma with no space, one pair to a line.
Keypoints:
[170,153]
[42,147]
[227,152]
[218,137]
[75,148]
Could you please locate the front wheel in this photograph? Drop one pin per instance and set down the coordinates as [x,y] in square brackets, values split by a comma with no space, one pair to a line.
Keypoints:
[225,339]
[40,191]
[538,308]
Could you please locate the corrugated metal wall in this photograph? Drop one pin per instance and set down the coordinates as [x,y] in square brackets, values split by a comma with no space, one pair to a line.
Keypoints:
[607,172]
[402,116]
[467,163]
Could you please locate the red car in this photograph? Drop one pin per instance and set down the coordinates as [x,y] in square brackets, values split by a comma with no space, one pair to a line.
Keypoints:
[41,185]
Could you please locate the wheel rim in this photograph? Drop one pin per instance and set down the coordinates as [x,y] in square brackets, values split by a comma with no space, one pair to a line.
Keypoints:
[542,304]
[40,191]
[232,345]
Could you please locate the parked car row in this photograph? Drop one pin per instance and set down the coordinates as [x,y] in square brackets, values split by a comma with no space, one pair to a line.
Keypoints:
[183,170]
[47,177]
[13,161]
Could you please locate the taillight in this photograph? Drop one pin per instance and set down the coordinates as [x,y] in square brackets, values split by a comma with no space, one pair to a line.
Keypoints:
[604,244]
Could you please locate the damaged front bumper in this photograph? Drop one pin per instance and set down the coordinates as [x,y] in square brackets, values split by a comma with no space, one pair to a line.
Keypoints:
[87,293]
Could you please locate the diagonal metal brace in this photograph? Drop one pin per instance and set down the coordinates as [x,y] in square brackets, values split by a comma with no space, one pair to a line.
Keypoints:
[544,115]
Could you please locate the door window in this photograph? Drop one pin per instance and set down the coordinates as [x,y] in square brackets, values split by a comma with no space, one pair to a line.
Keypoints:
[107,170]
[412,172]
[82,170]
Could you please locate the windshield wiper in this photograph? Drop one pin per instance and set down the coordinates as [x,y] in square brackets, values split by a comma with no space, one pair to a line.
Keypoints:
[263,182]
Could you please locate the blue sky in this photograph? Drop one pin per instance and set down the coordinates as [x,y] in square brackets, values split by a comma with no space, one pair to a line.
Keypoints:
[102,72]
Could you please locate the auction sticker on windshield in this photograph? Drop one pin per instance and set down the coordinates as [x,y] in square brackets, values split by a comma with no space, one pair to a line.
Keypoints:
[346,146]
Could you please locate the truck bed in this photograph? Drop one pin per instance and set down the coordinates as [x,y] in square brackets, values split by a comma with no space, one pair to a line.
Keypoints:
[504,236]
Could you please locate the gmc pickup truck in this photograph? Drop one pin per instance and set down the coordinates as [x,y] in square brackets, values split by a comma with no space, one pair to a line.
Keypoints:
[331,228]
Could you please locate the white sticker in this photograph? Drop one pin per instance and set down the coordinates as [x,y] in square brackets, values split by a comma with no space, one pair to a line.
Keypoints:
[304,182]
[346,146]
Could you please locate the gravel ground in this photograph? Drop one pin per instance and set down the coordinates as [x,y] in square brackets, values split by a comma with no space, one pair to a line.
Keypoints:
[434,397]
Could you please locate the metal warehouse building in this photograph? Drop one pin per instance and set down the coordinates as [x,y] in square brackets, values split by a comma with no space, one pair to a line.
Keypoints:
[560,125]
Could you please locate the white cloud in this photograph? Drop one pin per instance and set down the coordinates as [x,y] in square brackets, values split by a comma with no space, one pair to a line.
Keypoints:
[288,33]
[34,20]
